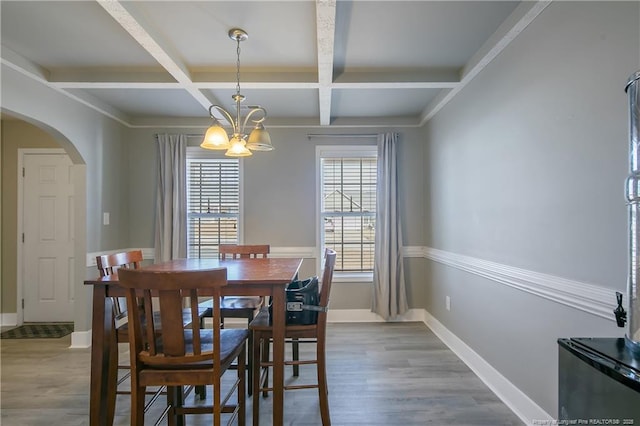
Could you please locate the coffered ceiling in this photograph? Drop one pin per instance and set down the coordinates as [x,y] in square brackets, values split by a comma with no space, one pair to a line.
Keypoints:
[309,63]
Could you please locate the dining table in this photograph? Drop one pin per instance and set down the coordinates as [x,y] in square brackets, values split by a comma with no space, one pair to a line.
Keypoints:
[245,277]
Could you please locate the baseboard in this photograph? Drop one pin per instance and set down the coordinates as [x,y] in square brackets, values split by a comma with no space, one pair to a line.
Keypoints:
[9,320]
[80,340]
[517,401]
[522,406]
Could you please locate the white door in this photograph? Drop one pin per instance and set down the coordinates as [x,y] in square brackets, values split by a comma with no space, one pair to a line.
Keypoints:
[47,258]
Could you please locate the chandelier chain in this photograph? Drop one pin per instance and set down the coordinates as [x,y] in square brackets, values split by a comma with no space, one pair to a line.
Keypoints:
[238,67]
[239,143]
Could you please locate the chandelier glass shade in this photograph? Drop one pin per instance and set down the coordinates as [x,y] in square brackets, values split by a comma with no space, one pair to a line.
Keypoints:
[239,144]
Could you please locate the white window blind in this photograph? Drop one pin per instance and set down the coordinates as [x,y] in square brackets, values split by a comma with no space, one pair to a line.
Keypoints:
[348,210]
[213,205]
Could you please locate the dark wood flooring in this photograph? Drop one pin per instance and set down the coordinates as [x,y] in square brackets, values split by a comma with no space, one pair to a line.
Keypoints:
[379,374]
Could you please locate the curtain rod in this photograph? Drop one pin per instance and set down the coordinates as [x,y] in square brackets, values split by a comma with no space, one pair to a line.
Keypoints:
[189,135]
[342,135]
[309,135]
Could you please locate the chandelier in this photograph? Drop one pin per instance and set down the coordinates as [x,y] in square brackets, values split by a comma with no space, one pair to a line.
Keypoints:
[236,143]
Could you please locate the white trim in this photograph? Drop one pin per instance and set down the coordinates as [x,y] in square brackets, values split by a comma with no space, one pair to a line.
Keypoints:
[80,340]
[353,277]
[9,320]
[523,406]
[590,298]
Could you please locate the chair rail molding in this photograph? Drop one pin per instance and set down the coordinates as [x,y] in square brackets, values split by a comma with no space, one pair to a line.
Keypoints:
[590,298]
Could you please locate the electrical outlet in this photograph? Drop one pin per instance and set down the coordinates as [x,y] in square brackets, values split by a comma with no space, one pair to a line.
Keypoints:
[105,218]
[447,303]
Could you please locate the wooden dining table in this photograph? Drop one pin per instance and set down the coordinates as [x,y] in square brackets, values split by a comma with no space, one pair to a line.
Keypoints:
[245,277]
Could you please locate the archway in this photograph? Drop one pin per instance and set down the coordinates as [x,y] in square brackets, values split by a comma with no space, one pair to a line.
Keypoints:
[14,124]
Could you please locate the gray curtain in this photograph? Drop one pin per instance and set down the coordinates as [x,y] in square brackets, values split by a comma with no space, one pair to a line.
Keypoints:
[389,294]
[171,198]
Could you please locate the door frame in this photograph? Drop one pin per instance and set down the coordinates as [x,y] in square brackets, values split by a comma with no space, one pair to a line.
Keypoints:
[22,152]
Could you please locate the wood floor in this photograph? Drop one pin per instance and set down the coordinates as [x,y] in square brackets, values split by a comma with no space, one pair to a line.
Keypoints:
[379,374]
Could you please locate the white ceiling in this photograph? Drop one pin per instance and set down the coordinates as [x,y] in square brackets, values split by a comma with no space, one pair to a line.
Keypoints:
[309,63]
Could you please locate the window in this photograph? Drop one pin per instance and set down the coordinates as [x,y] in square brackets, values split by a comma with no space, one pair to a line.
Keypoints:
[213,205]
[348,205]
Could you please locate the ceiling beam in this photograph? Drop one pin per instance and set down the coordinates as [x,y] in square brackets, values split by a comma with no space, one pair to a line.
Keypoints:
[133,23]
[325,28]
[284,79]
[41,75]
[521,17]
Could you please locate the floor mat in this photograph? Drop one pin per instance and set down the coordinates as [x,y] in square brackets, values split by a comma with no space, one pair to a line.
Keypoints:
[39,331]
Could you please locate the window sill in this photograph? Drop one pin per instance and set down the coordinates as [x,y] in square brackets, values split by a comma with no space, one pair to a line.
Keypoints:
[353,277]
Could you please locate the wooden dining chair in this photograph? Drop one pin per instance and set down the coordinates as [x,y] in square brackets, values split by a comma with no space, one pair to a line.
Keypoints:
[180,356]
[109,264]
[243,307]
[262,333]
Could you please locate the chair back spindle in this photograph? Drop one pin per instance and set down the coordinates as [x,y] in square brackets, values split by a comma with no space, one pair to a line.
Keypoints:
[109,263]
[245,251]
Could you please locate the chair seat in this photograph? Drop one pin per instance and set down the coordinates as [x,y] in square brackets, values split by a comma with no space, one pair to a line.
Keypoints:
[231,341]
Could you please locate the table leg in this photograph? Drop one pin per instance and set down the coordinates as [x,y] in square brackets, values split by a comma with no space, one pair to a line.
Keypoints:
[104,359]
[278,355]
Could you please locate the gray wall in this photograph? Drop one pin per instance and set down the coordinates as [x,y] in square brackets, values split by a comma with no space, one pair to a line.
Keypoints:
[279,198]
[526,167]
[120,180]
[94,143]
